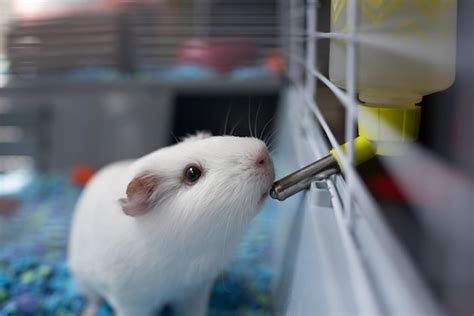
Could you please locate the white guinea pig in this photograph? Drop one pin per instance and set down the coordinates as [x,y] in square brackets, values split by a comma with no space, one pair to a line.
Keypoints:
[159,229]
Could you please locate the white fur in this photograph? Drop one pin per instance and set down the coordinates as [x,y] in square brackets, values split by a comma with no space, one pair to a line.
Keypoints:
[173,253]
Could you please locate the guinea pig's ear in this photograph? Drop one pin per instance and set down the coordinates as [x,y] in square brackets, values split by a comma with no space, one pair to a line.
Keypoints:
[197,136]
[139,194]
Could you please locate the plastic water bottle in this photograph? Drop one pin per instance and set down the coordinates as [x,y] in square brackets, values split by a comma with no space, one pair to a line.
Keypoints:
[406,49]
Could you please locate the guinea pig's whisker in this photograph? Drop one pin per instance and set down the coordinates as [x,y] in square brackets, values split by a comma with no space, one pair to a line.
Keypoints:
[227,118]
[248,116]
[271,145]
[269,136]
[174,136]
[234,127]
[270,139]
[262,133]
[256,118]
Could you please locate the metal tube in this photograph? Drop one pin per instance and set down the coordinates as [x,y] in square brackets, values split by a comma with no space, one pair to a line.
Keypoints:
[302,178]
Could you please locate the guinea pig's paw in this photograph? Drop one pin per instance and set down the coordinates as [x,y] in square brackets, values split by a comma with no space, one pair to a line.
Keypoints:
[198,136]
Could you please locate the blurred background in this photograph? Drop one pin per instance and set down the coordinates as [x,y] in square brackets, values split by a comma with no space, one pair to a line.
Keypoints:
[124,68]
[87,82]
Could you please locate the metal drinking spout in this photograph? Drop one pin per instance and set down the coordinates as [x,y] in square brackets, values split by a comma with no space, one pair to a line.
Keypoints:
[320,170]
[302,178]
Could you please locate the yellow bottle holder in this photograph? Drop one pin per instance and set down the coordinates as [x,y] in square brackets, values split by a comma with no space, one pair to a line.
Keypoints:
[390,128]
[383,131]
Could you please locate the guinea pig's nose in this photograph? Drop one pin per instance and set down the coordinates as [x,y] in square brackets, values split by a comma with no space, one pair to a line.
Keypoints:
[262,159]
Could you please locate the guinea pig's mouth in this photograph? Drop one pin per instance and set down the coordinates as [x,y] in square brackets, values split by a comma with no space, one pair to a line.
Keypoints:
[263,198]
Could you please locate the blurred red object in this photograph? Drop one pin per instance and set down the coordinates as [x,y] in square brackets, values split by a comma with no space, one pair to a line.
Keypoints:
[81,174]
[221,54]
[383,187]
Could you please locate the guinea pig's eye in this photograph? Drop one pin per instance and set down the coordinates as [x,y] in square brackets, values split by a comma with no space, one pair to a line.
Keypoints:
[192,174]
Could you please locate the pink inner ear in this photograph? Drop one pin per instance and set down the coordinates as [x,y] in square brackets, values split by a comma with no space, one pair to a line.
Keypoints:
[139,192]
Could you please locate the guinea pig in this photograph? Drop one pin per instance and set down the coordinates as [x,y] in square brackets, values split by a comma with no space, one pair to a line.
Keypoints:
[157,231]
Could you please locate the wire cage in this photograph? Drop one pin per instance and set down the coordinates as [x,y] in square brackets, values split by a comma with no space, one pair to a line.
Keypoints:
[351,257]
[96,81]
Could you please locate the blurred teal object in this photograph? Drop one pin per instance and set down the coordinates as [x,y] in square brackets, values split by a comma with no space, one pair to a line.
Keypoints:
[35,280]
[177,72]
[246,73]
[189,71]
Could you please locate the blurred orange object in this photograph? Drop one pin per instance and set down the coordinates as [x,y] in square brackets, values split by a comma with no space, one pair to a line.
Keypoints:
[81,174]
[275,60]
